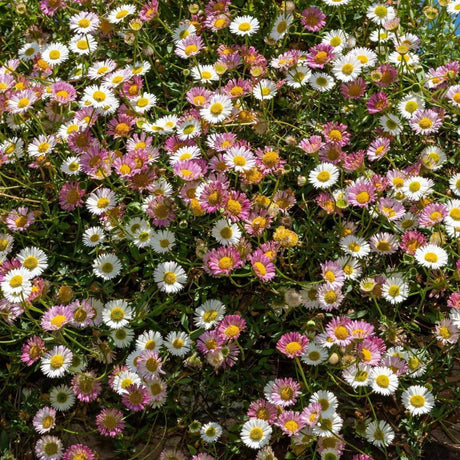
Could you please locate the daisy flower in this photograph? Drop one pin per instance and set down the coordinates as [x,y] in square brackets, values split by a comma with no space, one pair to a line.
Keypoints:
[56,317]
[55,54]
[56,362]
[433,157]
[19,219]
[120,13]
[263,410]
[447,332]
[163,241]
[264,90]
[28,51]
[77,452]
[346,68]
[16,284]
[93,236]
[209,314]
[34,260]
[383,380]
[44,420]
[284,392]
[62,397]
[298,77]
[409,104]
[244,26]
[222,261]
[109,422]
[313,19]
[226,233]
[263,267]
[292,344]
[170,277]
[425,121]
[380,13]
[204,73]
[380,433]
[281,26]
[395,290]
[42,145]
[122,337]
[136,398]
[22,101]
[84,22]
[100,201]
[231,326]
[321,81]
[290,422]
[189,46]
[143,102]
[431,256]
[183,31]
[453,213]
[217,110]
[177,343]
[355,246]
[32,350]
[256,433]
[116,314]
[336,38]
[391,124]
[210,432]
[418,400]
[324,175]
[107,266]
[314,354]
[49,448]
[357,375]
[82,44]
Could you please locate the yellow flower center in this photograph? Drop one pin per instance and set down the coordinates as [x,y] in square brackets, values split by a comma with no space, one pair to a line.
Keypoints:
[382,381]
[362,197]
[121,14]
[286,394]
[361,376]
[190,49]
[293,347]
[54,54]
[232,331]
[233,207]
[84,23]
[260,268]
[323,176]
[57,361]
[48,421]
[151,364]
[117,314]
[265,91]
[291,425]
[58,320]
[383,246]
[216,109]
[99,96]
[417,401]
[82,45]
[431,257]
[239,160]
[16,281]
[244,26]
[23,102]
[411,106]
[178,344]
[366,355]
[444,332]
[341,332]
[380,11]
[455,214]
[425,123]
[393,291]
[209,315]
[347,69]
[256,434]
[169,278]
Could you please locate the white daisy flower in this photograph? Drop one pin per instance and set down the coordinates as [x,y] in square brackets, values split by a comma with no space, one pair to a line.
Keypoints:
[380,433]
[16,285]
[328,401]
[218,109]
[417,187]
[281,26]
[211,432]
[337,39]
[62,397]
[98,96]
[204,73]
[124,379]
[34,260]
[346,68]
[431,256]
[324,175]
[149,340]
[321,81]
[256,433]
[116,314]
[122,337]
[351,267]
[170,277]
[84,23]
[383,380]
[453,213]
[93,236]
[188,129]
[433,157]
[163,241]
[226,233]
[140,68]
[56,362]
[143,103]
[82,44]
[328,424]
[264,90]
[365,56]
[409,104]
[120,13]
[107,266]
[357,376]
[395,290]
[177,343]
[209,314]
[244,25]
[28,51]
[55,54]
[314,354]
[355,246]
[454,184]
[391,124]
[418,400]
[100,201]
[240,159]
[71,165]
[380,13]
[298,77]
[183,31]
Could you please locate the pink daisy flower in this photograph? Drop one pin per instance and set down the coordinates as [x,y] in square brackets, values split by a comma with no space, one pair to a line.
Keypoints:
[148,364]
[160,210]
[311,145]
[262,409]
[82,313]
[396,364]
[311,414]
[384,243]
[71,196]
[63,92]
[198,96]
[189,170]
[337,331]
[237,88]
[257,222]
[136,397]
[110,422]
[19,219]
[120,126]
[454,300]
[189,46]
[361,193]
[378,148]
[237,206]
[359,329]
[269,160]
[390,208]
[157,391]
[222,261]
[426,121]
[329,298]
[149,10]
[263,267]
[384,75]
[320,55]
[292,344]
[56,317]
[354,89]
[78,452]
[369,351]
[49,7]
[336,133]
[284,392]
[377,102]
[333,274]
[231,327]
[210,341]
[32,350]
[411,241]
[85,386]
[432,214]
[230,352]
[212,196]
[313,19]
[290,422]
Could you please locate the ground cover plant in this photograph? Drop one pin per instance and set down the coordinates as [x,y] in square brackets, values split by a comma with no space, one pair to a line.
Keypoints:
[228,229]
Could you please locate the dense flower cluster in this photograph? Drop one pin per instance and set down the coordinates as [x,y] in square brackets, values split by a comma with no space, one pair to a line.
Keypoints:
[246,219]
